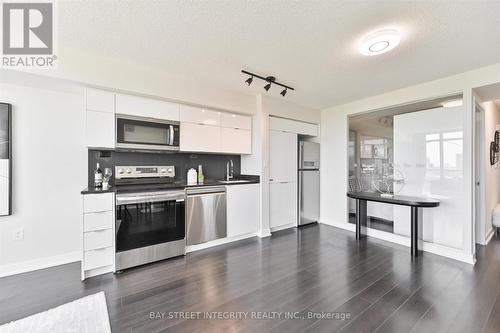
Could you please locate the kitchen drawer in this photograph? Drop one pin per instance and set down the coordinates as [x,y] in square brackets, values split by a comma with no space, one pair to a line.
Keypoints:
[97,221]
[97,202]
[97,239]
[98,258]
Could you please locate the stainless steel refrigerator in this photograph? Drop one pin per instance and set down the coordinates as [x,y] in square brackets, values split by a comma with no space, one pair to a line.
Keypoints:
[5,159]
[308,182]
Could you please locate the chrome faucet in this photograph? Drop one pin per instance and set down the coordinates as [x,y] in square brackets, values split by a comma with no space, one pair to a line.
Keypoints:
[229,170]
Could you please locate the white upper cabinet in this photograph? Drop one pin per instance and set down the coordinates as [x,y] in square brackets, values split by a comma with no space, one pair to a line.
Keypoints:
[199,138]
[234,120]
[235,140]
[146,107]
[293,126]
[196,115]
[100,129]
[98,100]
[202,130]
[283,148]
[205,130]
[99,119]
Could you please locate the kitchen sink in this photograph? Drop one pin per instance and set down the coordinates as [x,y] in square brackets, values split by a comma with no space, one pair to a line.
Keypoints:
[234,181]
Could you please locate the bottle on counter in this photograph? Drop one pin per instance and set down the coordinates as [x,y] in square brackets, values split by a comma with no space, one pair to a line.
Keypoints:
[98,177]
[201,177]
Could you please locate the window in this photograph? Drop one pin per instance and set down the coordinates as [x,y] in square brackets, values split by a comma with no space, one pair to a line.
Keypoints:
[444,152]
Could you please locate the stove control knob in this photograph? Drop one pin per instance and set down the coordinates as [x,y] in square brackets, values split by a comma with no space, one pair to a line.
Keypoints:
[163,170]
[121,171]
[129,171]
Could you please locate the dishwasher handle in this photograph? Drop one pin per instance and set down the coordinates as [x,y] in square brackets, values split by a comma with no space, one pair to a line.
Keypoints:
[205,190]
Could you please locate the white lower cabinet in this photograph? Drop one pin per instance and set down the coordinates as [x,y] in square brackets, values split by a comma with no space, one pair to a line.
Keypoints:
[98,258]
[282,204]
[97,239]
[199,138]
[243,209]
[98,249]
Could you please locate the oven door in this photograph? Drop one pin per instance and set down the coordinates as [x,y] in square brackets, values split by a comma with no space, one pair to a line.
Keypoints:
[146,133]
[146,220]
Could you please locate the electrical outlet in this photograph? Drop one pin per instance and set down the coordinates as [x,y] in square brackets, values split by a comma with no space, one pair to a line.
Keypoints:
[18,234]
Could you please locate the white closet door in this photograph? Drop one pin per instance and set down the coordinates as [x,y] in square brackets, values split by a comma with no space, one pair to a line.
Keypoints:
[283,156]
[283,204]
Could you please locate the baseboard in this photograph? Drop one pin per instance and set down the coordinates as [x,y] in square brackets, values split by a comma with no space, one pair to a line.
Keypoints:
[264,233]
[433,248]
[489,235]
[283,227]
[40,263]
[197,247]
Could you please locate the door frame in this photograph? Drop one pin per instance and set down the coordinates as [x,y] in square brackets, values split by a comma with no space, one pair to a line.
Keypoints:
[479,168]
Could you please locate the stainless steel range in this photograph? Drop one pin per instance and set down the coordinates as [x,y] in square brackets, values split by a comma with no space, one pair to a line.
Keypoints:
[150,217]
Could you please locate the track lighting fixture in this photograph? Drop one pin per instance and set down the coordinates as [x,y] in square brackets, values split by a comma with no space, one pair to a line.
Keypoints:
[270,81]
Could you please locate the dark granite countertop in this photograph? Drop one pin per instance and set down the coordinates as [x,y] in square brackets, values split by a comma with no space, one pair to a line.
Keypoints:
[95,190]
[250,179]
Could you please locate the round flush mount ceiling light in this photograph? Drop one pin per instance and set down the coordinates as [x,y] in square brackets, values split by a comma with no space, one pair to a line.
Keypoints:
[379,42]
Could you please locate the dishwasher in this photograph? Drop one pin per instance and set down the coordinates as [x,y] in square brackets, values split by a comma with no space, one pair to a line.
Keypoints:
[205,214]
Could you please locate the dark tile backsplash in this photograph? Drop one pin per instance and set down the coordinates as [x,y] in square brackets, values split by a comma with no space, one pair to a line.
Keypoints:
[214,166]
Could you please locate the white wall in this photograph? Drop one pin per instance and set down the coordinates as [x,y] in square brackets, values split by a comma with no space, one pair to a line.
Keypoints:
[334,135]
[49,171]
[280,107]
[492,172]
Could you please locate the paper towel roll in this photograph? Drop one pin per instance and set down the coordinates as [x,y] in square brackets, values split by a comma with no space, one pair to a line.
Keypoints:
[192,177]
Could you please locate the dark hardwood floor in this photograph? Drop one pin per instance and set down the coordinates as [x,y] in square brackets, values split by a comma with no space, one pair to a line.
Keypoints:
[317,269]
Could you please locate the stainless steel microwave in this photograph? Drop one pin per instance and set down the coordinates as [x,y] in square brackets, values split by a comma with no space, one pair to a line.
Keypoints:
[142,133]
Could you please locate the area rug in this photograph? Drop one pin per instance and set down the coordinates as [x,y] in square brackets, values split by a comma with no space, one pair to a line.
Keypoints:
[87,314]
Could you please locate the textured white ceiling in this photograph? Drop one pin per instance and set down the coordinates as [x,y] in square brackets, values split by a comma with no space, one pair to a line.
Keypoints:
[311,45]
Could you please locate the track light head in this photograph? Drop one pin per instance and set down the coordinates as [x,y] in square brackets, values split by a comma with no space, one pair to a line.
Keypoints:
[270,80]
